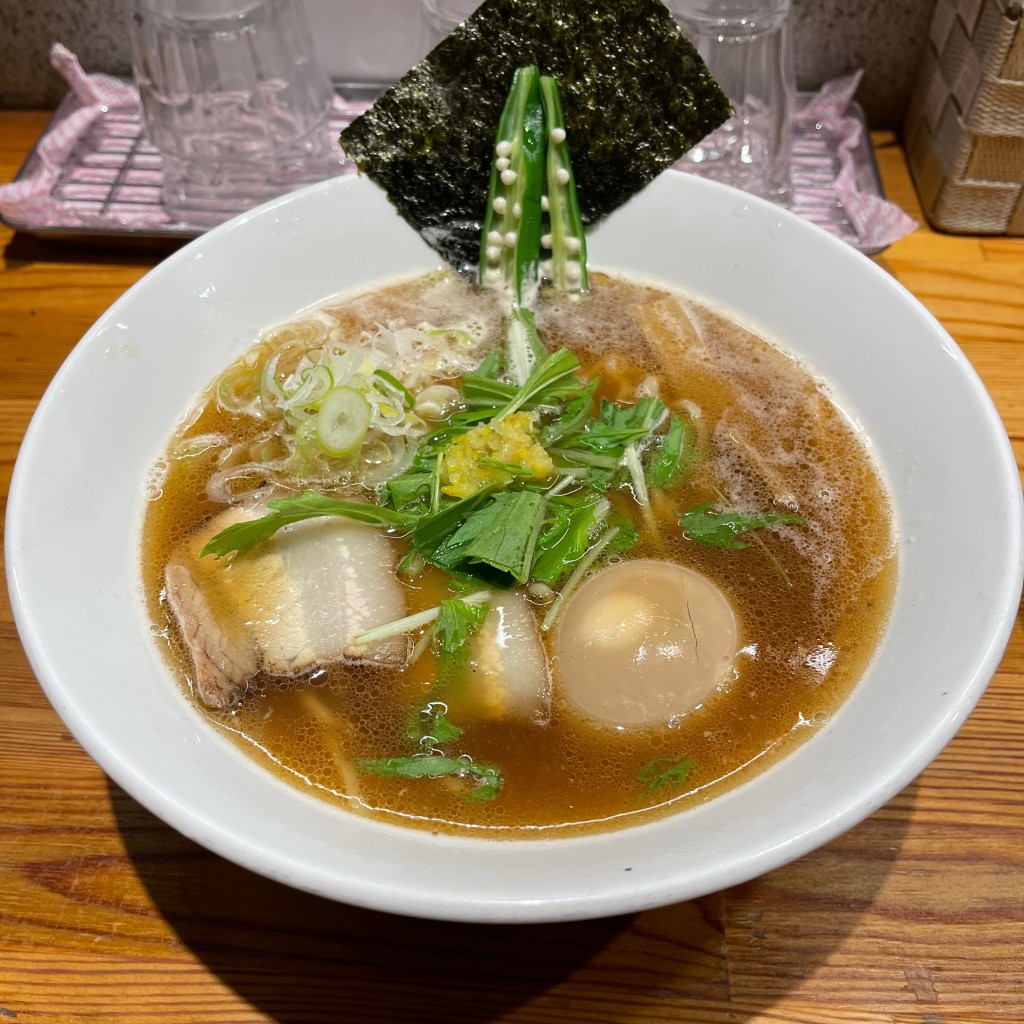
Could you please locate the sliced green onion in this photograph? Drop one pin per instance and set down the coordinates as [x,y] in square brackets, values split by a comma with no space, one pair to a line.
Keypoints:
[192,447]
[314,383]
[237,388]
[410,398]
[461,336]
[343,421]
[271,393]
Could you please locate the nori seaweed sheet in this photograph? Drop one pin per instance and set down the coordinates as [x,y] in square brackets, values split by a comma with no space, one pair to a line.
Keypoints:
[636,96]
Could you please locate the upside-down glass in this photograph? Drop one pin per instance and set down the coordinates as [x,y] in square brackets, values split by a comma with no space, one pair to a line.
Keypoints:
[745,44]
[233,98]
[445,15]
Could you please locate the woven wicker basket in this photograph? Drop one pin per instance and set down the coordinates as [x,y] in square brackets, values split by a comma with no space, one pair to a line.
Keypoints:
[964,133]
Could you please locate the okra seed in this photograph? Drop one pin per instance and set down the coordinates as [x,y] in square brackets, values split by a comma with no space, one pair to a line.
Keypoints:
[502,163]
[572,271]
[510,239]
[545,241]
[494,238]
[544,204]
[508,177]
[517,211]
[572,245]
[493,252]
[503,148]
[558,135]
[500,204]
[562,176]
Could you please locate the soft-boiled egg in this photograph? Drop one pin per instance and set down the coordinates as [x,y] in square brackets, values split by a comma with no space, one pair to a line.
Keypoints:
[643,641]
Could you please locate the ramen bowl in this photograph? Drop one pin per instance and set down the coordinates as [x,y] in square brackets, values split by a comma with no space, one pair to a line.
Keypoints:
[77,498]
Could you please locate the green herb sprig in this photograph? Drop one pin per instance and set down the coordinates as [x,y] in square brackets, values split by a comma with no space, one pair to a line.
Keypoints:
[240,537]
[436,766]
[508,532]
[673,455]
[430,724]
[722,529]
[663,772]
[457,622]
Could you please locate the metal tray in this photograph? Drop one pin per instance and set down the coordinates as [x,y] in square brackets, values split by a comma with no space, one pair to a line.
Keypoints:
[113,176]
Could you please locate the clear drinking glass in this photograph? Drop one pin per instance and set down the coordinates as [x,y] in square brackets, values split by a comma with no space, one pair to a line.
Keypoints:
[233,98]
[445,15]
[745,44]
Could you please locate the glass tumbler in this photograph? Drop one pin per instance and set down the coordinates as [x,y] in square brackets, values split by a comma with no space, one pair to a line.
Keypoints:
[234,100]
[745,44]
[445,15]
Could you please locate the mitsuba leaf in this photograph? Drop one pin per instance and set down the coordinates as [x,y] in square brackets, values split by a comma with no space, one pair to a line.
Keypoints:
[625,540]
[565,538]
[442,730]
[573,417]
[618,426]
[309,505]
[432,531]
[662,772]
[721,529]
[455,625]
[408,489]
[490,366]
[513,469]
[675,455]
[499,536]
[508,541]
[479,389]
[431,723]
[636,97]
[553,380]
[486,776]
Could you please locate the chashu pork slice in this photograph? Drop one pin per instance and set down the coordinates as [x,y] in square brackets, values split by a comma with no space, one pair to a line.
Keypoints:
[293,603]
[223,660]
[507,676]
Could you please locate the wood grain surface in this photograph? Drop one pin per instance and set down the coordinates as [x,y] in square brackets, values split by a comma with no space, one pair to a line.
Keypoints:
[107,915]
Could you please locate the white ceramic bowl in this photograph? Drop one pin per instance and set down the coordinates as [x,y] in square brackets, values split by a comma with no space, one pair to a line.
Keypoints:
[76,503]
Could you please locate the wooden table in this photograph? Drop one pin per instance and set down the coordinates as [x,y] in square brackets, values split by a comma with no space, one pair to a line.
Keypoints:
[107,915]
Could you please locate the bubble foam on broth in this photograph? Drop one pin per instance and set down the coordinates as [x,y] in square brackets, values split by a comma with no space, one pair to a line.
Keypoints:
[571,774]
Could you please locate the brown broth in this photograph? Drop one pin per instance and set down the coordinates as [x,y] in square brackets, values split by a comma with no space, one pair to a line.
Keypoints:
[812,601]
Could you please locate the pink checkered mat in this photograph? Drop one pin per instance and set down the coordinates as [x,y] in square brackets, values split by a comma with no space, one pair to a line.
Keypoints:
[93,169]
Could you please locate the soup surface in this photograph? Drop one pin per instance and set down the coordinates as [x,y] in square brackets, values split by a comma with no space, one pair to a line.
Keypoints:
[809,597]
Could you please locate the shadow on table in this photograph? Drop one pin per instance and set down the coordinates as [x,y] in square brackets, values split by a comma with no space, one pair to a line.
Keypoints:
[300,959]
[121,249]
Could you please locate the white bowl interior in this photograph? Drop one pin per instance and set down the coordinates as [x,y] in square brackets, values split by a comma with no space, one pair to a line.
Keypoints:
[76,502]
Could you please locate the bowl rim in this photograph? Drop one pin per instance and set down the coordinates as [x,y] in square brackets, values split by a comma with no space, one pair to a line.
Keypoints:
[656,892]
